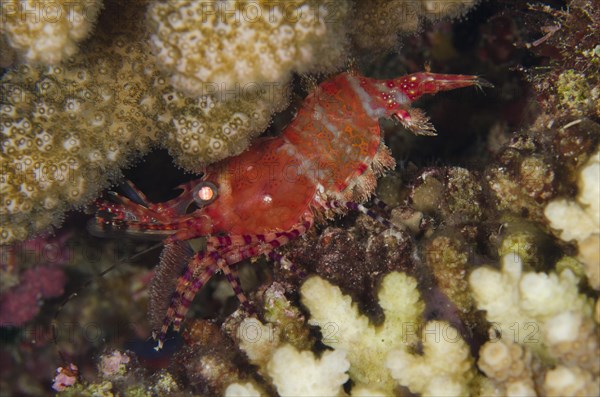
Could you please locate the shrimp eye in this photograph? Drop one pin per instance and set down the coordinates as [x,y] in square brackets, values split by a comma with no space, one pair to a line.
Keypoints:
[205,193]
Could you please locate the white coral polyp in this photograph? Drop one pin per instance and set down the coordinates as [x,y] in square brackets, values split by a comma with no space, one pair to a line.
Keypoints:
[495,355]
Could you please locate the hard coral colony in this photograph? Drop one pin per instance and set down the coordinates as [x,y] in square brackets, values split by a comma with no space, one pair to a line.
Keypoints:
[477,280]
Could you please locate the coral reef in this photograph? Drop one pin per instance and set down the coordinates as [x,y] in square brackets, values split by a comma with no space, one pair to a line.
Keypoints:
[68,129]
[579,219]
[47,31]
[377,24]
[31,272]
[445,366]
[119,374]
[570,87]
[543,336]
[343,328]
[485,283]
[216,47]
[312,377]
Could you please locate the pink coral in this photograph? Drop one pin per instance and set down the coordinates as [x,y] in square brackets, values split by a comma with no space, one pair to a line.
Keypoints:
[31,272]
[20,303]
[113,364]
[65,377]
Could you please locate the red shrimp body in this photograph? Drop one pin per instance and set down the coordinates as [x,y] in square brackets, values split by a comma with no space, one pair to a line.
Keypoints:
[331,141]
[259,191]
[332,152]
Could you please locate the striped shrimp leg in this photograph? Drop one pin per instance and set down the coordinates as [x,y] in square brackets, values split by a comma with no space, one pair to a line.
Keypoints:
[222,253]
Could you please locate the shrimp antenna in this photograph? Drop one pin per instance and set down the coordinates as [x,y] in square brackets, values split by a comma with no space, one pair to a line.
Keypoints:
[87,284]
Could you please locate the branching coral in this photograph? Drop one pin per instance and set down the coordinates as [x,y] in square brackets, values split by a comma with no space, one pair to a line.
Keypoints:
[311,376]
[509,364]
[292,372]
[543,321]
[519,303]
[223,46]
[445,367]
[579,219]
[359,347]
[344,328]
[47,31]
